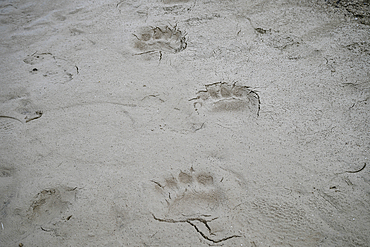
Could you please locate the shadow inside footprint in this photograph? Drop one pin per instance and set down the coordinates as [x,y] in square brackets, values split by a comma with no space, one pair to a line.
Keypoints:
[193,196]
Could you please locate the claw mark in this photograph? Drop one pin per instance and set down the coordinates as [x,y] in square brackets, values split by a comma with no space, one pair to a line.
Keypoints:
[357,170]
[258,29]
[157,183]
[46,230]
[201,127]
[39,114]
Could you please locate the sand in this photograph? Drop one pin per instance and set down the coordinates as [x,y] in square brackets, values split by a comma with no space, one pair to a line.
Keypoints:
[184,123]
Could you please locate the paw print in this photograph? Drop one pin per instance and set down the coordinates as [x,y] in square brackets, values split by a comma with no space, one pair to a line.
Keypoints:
[225,97]
[164,38]
[197,199]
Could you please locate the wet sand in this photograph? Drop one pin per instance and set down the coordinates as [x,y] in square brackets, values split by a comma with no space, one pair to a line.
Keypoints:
[184,123]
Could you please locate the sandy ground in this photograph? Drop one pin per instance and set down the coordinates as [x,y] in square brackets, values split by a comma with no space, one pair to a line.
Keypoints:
[184,123]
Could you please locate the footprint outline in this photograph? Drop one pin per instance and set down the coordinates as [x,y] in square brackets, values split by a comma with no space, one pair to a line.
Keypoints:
[226,97]
[160,38]
[198,189]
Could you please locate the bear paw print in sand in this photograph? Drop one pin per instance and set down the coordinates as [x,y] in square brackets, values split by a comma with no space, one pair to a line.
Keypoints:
[160,38]
[226,97]
[196,199]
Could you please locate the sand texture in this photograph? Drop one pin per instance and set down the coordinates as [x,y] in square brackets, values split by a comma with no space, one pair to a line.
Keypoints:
[184,123]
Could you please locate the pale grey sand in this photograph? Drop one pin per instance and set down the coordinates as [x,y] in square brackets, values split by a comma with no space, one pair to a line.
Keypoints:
[184,123]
